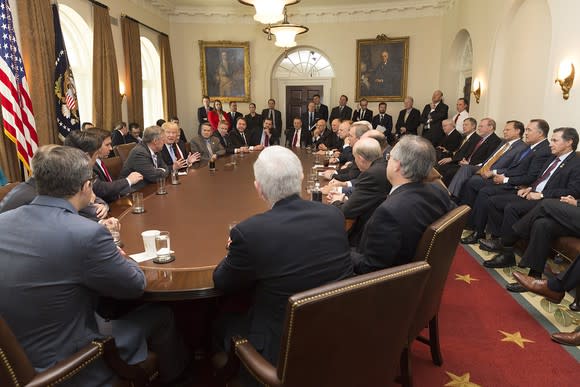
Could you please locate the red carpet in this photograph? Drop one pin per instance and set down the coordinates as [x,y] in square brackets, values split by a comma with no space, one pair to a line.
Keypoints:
[470,321]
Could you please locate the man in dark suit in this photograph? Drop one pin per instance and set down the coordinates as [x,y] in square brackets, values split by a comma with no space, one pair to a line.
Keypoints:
[409,119]
[240,138]
[363,113]
[392,234]
[118,135]
[320,134]
[450,143]
[499,160]
[350,170]
[523,171]
[134,134]
[105,186]
[145,158]
[297,137]
[560,177]
[275,254]
[341,111]
[332,140]
[319,107]
[383,119]
[234,114]
[202,112]
[253,119]
[433,116]
[174,149]
[474,151]
[276,117]
[263,137]
[371,188]
[309,118]
[222,135]
[59,273]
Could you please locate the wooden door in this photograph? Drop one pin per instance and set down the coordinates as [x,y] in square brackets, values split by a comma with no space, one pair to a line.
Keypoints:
[297,99]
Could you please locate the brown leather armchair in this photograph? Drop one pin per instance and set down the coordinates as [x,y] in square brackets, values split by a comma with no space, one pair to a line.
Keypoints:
[123,150]
[347,333]
[16,369]
[114,166]
[437,247]
[5,189]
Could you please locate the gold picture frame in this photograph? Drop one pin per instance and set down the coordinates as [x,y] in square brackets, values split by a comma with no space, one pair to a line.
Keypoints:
[377,80]
[225,70]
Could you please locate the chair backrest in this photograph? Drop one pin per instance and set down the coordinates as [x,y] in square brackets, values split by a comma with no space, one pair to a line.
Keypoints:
[114,166]
[350,332]
[123,150]
[437,247]
[15,367]
[5,189]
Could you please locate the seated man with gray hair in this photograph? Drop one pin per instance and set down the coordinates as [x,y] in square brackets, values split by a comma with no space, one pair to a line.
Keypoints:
[391,235]
[146,159]
[275,254]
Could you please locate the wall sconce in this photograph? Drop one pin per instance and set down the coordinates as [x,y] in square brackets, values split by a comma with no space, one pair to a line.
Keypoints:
[476,90]
[566,78]
[122,89]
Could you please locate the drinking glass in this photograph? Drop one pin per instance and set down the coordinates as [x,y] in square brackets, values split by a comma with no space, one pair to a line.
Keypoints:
[161,186]
[138,204]
[163,246]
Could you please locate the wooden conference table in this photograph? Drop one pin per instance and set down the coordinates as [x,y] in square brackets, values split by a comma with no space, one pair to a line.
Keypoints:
[197,213]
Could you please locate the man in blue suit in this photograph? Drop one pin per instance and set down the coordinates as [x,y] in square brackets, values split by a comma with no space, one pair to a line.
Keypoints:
[275,254]
[54,266]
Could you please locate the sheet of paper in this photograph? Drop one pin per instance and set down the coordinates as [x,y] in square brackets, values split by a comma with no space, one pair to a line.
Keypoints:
[142,257]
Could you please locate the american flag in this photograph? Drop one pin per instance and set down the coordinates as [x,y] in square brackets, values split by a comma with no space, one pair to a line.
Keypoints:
[17,115]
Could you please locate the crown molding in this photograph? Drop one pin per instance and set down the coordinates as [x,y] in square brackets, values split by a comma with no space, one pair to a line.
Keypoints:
[376,11]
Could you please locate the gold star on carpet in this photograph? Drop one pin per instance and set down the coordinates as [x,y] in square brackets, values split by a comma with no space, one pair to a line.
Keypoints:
[460,381]
[515,338]
[465,278]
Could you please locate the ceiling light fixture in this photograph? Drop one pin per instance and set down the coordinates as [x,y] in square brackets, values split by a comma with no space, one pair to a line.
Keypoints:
[285,32]
[269,11]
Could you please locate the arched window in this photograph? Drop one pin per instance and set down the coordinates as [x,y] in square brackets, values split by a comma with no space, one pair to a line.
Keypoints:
[304,63]
[152,94]
[78,38]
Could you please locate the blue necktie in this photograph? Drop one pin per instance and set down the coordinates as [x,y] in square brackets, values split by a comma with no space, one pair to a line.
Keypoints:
[524,154]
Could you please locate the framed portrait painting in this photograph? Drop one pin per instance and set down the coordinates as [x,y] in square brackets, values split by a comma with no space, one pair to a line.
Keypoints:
[225,70]
[381,68]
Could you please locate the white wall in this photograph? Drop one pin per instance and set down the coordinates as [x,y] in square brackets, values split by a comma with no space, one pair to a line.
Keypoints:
[336,40]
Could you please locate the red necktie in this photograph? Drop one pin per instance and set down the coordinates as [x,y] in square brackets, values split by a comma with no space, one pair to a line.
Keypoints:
[481,140]
[177,152]
[546,174]
[106,172]
[266,140]
[456,118]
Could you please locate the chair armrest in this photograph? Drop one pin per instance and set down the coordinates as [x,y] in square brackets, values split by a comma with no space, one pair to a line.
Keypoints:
[259,367]
[119,366]
[69,367]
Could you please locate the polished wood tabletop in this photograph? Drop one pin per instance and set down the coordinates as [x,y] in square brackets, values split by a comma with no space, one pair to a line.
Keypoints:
[197,213]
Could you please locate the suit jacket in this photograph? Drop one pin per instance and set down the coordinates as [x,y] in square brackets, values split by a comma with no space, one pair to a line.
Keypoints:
[202,115]
[391,235]
[167,157]
[214,119]
[140,160]
[349,173]
[509,157]
[275,268]
[435,131]
[224,141]
[235,118]
[237,140]
[565,179]
[322,138]
[345,155]
[451,142]
[58,275]
[323,111]
[198,145]
[305,121]
[370,191]
[346,113]
[117,138]
[278,125]
[411,124]
[525,170]
[129,139]
[109,190]
[387,122]
[485,149]
[367,116]
[305,138]
[332,141]
[256,138]
[253,122]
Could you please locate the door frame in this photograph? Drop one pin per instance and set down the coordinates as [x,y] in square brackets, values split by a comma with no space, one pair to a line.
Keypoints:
[281,84]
